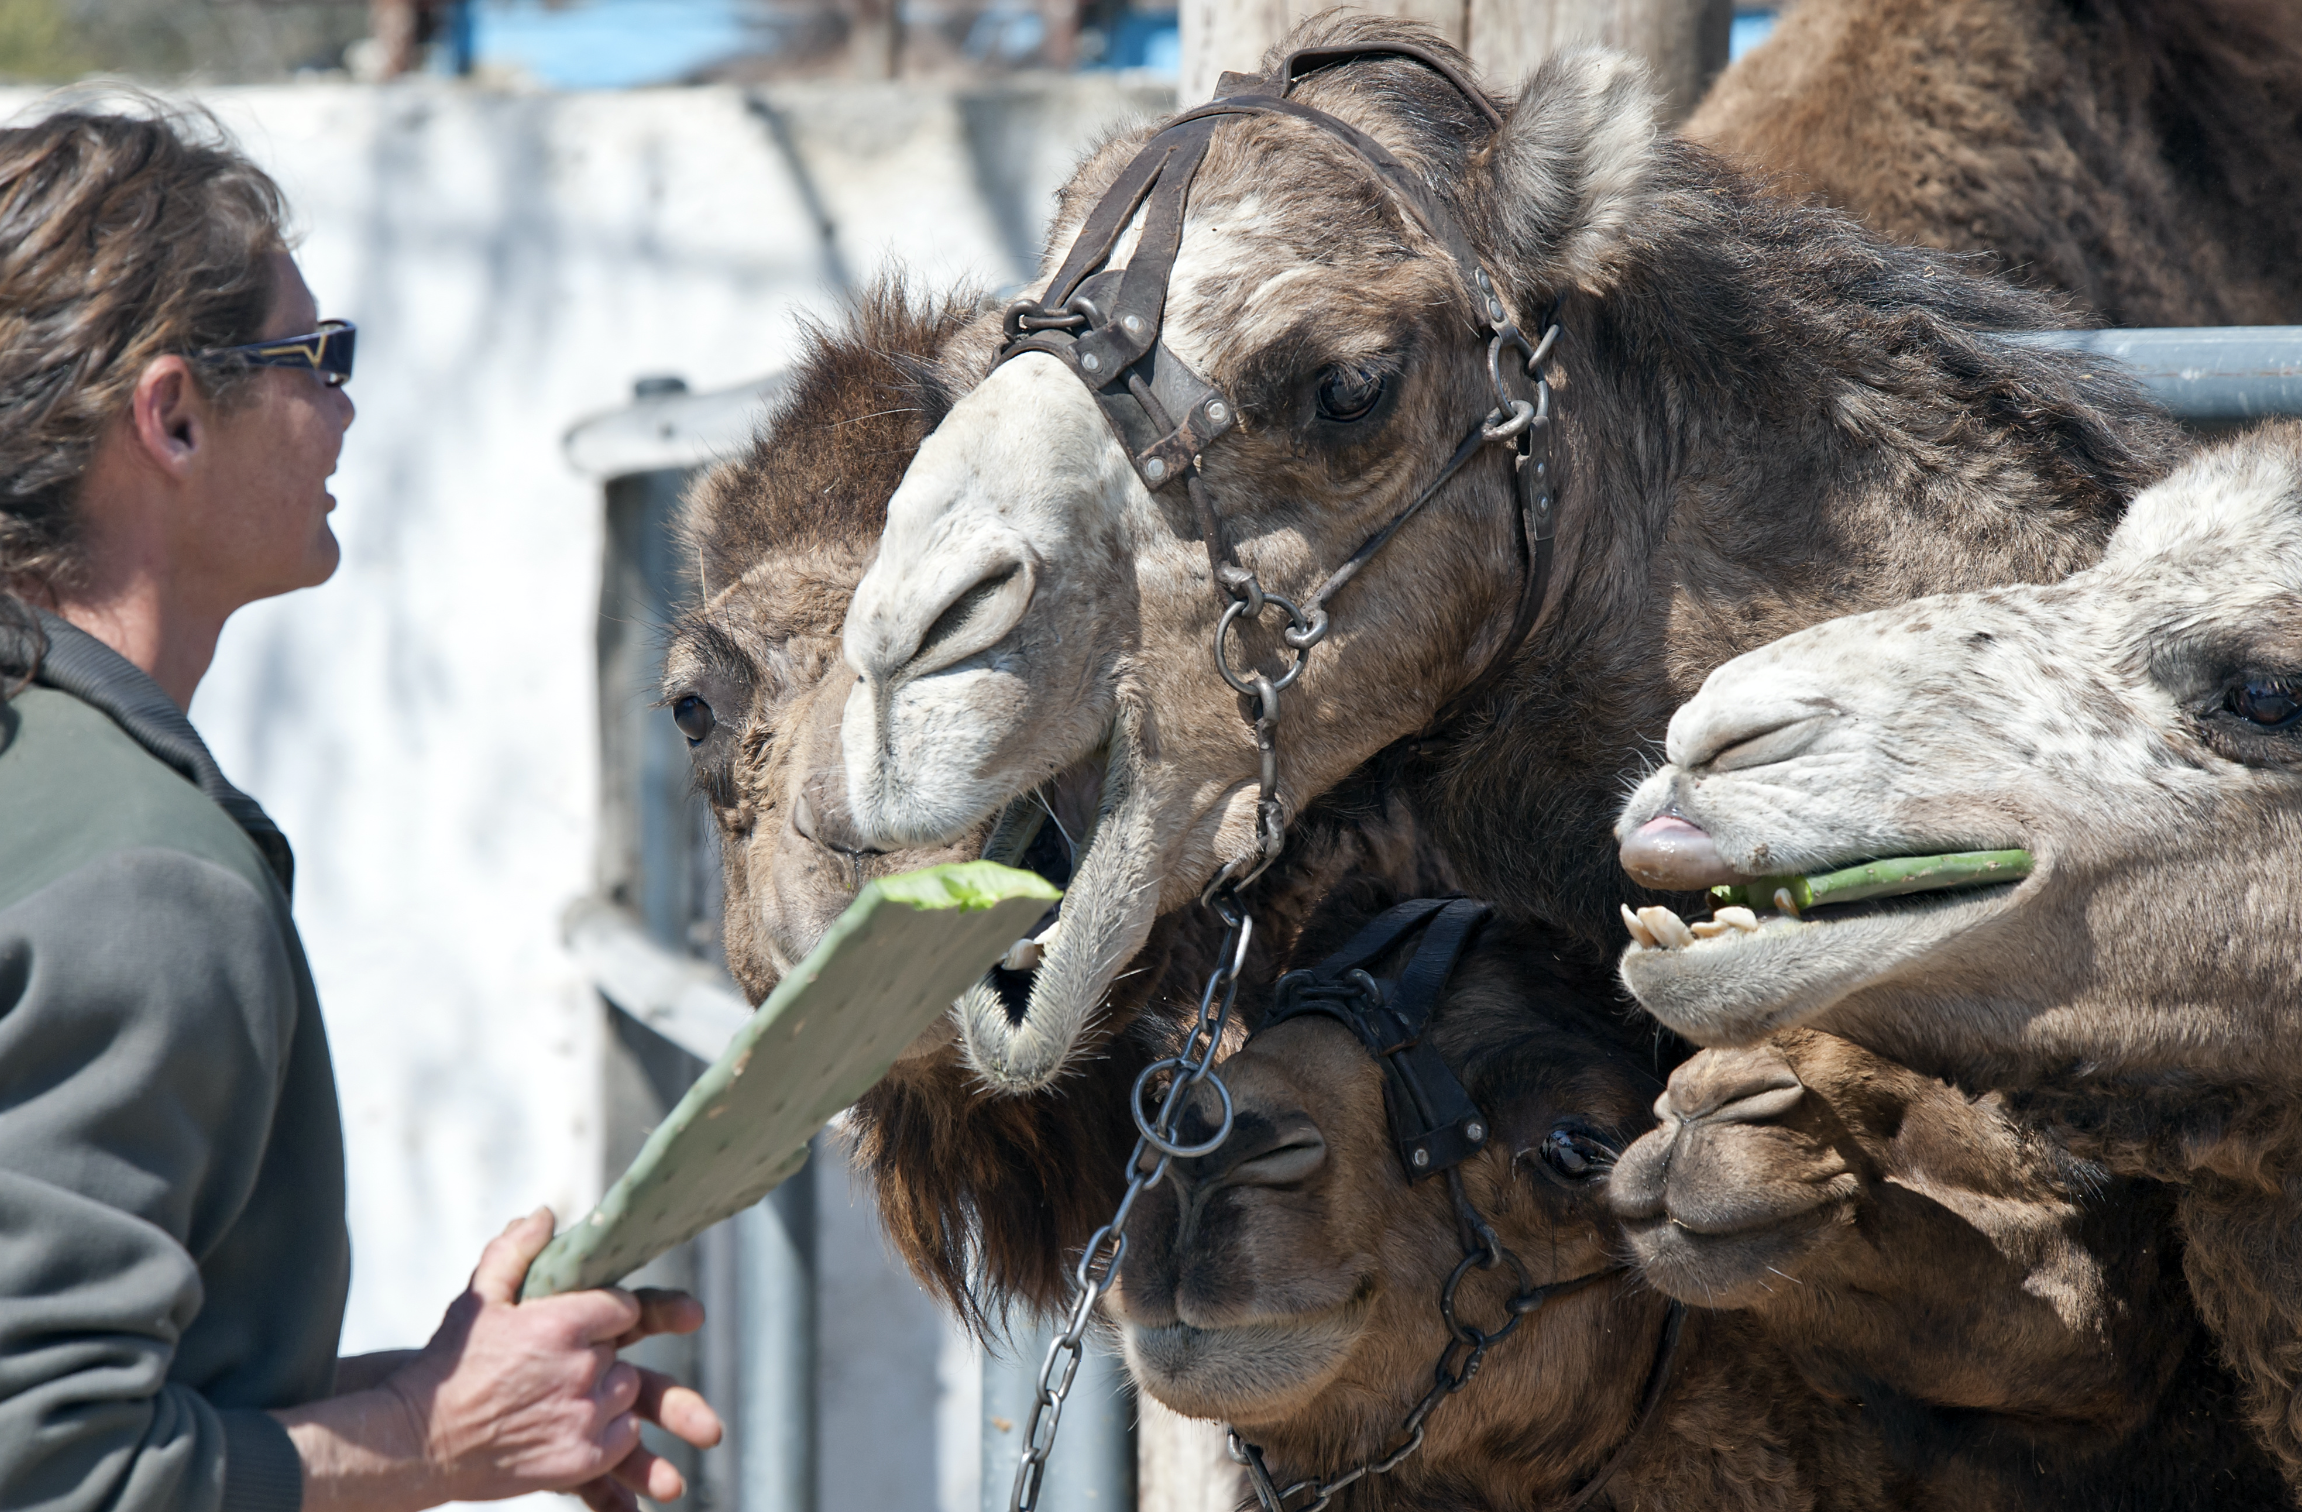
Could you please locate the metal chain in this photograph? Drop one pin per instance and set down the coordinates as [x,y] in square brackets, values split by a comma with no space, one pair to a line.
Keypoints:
[1458,1364]
[1099,1264]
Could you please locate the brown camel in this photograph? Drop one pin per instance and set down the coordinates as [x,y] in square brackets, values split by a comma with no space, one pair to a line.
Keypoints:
[2013,1320]
[982,1186]
[1900,1298]
[2137,732]
[1289,1283]
[2141,156]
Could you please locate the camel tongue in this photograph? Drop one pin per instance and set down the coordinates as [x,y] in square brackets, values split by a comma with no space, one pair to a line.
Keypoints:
[1887,878]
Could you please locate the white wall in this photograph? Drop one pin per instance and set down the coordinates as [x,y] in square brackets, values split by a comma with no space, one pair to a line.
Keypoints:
[423,727]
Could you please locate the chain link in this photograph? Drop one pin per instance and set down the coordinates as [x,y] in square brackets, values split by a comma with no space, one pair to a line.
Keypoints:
[1458,1365]
[1099,1263]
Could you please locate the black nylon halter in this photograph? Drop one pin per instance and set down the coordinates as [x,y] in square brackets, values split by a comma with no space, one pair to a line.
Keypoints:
[1104,324]
[1433,1120]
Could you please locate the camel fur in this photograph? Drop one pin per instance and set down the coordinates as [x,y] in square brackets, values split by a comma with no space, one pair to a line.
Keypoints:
[2141,157]
[2013,1319]
[2138,730]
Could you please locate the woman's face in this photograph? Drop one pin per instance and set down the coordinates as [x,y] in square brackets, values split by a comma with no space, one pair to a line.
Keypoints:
[266,504]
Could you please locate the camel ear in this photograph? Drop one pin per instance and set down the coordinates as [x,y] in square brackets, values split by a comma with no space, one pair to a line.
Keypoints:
[1574,165]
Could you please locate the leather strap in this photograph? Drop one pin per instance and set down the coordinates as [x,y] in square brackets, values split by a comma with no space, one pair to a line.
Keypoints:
[1433,1120]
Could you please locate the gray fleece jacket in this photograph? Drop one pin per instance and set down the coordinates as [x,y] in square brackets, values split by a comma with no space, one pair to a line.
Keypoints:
[173,1255]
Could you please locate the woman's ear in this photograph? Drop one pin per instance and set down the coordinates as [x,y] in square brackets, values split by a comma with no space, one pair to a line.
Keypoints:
[1573,167]
[168,414]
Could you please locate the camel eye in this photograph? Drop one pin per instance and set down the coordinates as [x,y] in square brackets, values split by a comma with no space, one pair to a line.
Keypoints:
[693,716]
[2270,703]
[1576,1153]
[1348,394]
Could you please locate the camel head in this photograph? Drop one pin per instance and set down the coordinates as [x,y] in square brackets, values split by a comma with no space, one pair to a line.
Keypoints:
[2137,729]
[1040,615]
[1289,1281]
[782,535]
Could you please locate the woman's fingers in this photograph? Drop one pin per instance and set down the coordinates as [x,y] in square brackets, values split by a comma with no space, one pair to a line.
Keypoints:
[607,1495]
[504,1263]
[651,1475]
[661,1312]
[678,1410]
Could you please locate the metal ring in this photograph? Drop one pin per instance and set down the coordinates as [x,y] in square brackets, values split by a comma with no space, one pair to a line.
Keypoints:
[1522,416]
[1160,1142]
[1237,607]
[1542,348]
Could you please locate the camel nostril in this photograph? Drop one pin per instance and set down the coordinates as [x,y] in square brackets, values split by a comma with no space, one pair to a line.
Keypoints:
[979,617]
[1672,855]
[1746,1086]
[1303,1154]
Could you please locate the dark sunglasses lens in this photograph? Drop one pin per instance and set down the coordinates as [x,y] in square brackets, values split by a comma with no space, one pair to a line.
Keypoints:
[336,353]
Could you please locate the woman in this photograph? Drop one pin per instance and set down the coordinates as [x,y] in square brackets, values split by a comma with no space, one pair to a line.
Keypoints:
[173,1251]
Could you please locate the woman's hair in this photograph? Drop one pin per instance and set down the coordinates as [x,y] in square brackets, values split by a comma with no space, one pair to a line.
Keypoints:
[128,230]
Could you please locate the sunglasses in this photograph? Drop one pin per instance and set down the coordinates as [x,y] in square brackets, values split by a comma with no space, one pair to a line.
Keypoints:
[326,351]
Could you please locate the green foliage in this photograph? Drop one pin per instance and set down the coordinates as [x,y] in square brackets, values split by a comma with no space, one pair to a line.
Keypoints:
[39,42]
[56,41]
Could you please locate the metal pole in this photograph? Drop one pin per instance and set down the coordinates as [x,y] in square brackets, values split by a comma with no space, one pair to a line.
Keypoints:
[1093,1466]
[776,1415]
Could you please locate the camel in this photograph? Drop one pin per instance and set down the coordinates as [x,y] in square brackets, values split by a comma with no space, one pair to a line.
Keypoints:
[984,1185]
[2013,1320]
[2132,734]
[1289,1282]
[2138,156]
[1764,417]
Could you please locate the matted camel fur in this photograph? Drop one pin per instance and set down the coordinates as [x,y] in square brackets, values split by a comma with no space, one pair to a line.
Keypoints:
[2138,730]
[2143,157]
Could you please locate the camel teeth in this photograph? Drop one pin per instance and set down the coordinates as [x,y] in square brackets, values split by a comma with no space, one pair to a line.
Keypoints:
[1023,955]
[1735,916]
[1784,901]
[1670,931]
[1707,929]
[1638,929]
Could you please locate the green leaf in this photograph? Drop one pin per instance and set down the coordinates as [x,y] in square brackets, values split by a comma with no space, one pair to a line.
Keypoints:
[886,969]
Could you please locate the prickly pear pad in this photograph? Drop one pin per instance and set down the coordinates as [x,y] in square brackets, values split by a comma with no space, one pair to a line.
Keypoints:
[887,968]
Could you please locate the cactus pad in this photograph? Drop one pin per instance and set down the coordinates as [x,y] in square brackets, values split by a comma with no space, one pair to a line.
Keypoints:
[887,968]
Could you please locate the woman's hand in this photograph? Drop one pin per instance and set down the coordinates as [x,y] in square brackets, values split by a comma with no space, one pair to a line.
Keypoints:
[508,1398]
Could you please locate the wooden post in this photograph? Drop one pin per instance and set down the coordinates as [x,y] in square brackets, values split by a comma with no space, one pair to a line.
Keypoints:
[1683,41]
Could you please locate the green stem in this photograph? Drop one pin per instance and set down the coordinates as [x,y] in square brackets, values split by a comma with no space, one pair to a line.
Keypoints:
[1880,879]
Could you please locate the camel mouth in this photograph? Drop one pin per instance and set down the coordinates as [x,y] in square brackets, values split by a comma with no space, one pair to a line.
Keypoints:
[1092,828]
[1882,885]
[1744,973]
[1047,831]
[1734,1267]
[1247,1371]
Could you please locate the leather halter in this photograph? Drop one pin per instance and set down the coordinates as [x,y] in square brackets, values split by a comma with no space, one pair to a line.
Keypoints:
[1433,1120]
[1436,1127]
[1104,324]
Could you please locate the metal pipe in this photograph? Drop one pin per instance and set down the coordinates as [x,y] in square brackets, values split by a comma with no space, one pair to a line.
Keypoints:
[2204,375]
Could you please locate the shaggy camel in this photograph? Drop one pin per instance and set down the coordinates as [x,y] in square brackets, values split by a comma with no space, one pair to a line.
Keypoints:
[2142,156]
[2137,730]
[983,1194]
[2013,1320]
[1763,417]
[1289,1283]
